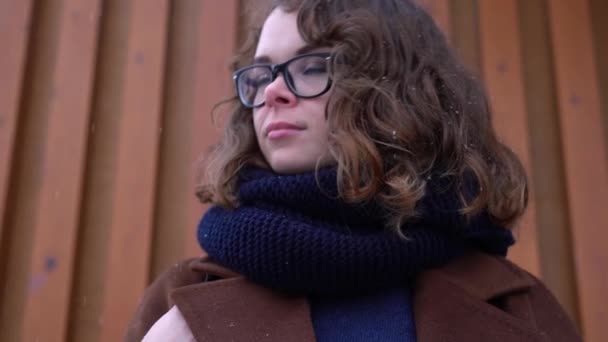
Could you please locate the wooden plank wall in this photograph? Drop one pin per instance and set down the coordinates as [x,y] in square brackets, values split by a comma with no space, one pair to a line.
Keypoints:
[105,108]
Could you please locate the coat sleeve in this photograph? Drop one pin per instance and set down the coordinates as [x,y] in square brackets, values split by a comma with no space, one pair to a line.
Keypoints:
[156,300]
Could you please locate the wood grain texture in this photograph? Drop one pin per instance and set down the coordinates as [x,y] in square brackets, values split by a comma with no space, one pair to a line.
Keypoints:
[15,18]
[440,11]
[599,25]
[555,247]
[175,188]
[105,111]
[27,176]
[502,70]
[584,156]
[100,180]
[213,64]
[133,198]
[465,33]
[64,148]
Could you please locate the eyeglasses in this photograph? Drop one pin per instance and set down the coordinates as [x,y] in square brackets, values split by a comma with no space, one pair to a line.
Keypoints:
[306,76]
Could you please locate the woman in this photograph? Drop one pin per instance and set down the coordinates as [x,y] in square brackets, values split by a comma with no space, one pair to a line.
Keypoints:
[360,195]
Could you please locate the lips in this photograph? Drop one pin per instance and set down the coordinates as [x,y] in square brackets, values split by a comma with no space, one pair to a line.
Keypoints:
[277,127]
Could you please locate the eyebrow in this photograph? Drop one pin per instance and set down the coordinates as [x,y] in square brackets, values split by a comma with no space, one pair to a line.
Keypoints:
[263,59]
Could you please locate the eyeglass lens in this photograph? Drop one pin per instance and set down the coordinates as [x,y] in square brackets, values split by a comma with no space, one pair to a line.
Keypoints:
[306,76]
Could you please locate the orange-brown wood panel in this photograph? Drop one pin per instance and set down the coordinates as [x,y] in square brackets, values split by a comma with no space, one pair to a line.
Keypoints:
[64,147]
[584,156]
[555,248]
[198,77]
[80,233]
[136,167]
[213,84]
[464,32]
[26,178]
[27,169]
[15,18]
[96,213]
[599,12]
[175,189]
[440,11]
[502,70]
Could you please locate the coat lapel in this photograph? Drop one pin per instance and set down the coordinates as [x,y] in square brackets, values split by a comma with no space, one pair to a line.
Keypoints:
[451,303]
[234,309]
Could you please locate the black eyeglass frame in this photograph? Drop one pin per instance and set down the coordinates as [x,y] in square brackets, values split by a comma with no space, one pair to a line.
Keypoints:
[275,69]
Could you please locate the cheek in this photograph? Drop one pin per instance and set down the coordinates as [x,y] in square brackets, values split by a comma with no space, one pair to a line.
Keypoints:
[320,121]
[257,124]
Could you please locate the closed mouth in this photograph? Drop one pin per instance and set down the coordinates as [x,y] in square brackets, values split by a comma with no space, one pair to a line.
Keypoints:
[275,126]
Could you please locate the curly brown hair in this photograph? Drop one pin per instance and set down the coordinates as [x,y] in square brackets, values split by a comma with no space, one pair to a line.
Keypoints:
[404,110]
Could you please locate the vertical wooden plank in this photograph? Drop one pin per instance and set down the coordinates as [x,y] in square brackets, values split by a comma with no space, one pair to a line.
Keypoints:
[99,183]
[440,11]
[465,32]
[502,70]
[175,187]
[137,155]
[27,177]
[56,225]
[555,248]
[599,12]
[14,29]
[584,156]
[213,64]
[187,123]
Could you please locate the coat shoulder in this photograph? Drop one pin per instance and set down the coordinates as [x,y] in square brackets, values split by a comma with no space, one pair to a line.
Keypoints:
[496,290]
[548,314]
[156,300]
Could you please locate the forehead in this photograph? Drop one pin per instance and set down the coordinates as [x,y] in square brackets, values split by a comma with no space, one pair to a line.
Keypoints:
[280,38]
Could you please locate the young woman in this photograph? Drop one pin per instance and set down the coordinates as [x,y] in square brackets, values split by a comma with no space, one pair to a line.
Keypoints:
[360,194]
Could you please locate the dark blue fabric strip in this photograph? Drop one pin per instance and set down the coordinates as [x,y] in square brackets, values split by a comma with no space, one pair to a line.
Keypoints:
[379,317]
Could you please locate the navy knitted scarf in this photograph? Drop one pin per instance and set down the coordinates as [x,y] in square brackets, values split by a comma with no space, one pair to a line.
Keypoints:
[293,233]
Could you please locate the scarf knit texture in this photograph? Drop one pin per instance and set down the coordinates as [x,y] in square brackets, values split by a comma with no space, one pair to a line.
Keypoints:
[293,233]
[381,316]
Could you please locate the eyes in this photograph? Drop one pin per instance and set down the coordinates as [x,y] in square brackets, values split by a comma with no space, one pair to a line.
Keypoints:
[306,76]
[260,77]
[312,69]
[257,79]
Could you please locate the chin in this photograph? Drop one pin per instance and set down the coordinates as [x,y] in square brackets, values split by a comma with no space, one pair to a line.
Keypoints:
[288,167]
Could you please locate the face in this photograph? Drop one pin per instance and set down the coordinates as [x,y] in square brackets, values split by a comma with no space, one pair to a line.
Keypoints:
[292,132]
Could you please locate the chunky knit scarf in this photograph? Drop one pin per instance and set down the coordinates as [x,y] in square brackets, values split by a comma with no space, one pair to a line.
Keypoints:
[293,233]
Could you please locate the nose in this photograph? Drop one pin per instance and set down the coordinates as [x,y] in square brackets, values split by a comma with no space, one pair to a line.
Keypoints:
[278,94]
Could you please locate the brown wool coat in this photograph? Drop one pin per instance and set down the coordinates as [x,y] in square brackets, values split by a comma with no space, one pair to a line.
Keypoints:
[474,298]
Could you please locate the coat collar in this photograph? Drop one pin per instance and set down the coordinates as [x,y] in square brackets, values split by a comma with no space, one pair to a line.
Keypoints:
[454,303]
[481,276]
[450,304]
[235,309]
